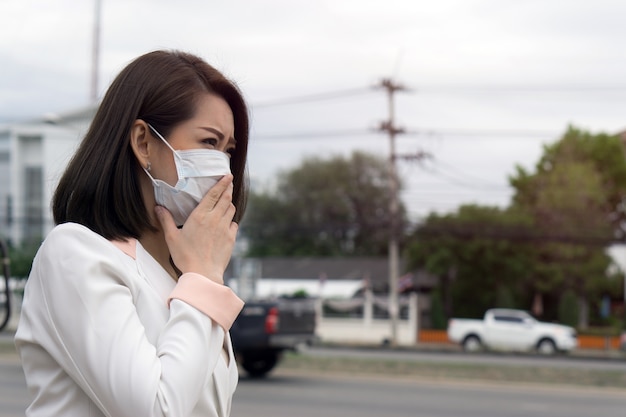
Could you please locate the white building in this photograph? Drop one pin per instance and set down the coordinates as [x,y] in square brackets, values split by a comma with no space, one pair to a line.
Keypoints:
[33,155]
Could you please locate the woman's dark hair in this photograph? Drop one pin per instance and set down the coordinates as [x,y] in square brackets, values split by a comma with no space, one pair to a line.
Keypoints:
[100,188]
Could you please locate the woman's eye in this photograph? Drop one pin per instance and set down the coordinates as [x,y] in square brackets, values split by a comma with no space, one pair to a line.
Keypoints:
[210,141]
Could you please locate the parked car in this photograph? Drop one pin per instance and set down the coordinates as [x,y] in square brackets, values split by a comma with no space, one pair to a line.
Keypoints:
[511,330]
[265,329]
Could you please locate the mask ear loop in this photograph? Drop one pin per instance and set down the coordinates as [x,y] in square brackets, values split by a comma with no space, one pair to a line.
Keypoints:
[162,138]
[179,173]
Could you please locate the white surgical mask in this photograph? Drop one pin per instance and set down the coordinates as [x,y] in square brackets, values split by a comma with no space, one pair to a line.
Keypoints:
[198,170]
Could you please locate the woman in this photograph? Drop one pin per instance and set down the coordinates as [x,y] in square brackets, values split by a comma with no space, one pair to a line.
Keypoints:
[125,312]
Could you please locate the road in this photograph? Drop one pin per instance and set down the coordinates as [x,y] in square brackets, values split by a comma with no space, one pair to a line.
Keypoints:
[513,360]
[302,394]
[13,395]
[292,394]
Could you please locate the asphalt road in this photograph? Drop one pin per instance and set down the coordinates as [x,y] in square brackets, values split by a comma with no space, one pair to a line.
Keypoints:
[579,361]
[304,394]
[297,394]
[13,394]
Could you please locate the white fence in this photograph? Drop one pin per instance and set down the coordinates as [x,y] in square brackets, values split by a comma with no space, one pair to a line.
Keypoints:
[358,329]
[365,329]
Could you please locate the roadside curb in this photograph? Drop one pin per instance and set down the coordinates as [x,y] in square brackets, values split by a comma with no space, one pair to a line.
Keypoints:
[598,354]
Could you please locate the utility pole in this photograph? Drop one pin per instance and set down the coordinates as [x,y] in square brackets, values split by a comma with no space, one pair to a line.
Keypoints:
[391,129]
[95,54]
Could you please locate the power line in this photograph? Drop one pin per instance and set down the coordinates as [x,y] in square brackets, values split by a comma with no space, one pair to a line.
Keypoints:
[332,95]
[587,237]
[484,133]
[460,178]
[450,88]
[456,181]
[329,134]
[494,134]
[451,192]
[519,88]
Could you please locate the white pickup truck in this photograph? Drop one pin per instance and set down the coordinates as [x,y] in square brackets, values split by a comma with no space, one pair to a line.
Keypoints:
[511,330]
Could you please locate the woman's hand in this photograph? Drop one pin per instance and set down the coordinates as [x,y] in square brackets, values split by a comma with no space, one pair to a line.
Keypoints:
[205,242]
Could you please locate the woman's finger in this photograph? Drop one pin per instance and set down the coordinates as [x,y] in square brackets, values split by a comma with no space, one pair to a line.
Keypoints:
[225,202]
[168,225]
[211,198]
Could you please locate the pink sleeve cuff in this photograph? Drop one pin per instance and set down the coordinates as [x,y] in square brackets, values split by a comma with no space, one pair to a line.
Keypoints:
[215,300]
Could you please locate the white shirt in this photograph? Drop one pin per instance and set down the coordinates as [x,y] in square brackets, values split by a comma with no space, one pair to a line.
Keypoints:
[96,336]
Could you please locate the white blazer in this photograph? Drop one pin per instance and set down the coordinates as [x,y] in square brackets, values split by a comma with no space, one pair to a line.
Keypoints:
[96,336]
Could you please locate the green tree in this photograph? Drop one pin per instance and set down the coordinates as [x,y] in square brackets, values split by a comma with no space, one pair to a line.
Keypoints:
[504,298]
[568,308]
[479,254]
[597,165]
[437,313]
[575,200]
[325,207]
[21,260]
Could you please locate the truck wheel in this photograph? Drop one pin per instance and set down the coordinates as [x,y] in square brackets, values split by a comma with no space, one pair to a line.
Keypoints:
[546,347]
[257,365]
[472,343]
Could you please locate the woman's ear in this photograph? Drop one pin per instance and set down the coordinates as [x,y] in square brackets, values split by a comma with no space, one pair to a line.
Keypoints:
[139,140]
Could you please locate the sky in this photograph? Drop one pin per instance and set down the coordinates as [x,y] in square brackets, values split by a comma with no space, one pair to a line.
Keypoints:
[487,83]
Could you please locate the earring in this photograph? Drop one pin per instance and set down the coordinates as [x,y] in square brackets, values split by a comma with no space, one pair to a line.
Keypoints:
[149,167]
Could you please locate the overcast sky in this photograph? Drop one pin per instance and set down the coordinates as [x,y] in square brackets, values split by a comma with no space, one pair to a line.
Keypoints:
[489,81]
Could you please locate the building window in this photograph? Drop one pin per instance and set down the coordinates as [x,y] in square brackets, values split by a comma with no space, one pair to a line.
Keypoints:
[5,199]
[32,226]
[9,211]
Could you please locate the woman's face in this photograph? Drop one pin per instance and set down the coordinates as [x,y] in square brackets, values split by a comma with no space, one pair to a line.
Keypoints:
[211,127]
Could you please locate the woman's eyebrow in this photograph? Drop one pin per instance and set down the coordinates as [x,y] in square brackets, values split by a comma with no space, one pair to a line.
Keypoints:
[219,134]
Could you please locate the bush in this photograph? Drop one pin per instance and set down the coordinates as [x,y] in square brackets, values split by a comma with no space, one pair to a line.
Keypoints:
[568,309]
[21,260]
[438,316]
[504,298]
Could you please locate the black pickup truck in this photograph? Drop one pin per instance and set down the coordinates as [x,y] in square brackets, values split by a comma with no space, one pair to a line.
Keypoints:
[266,328]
